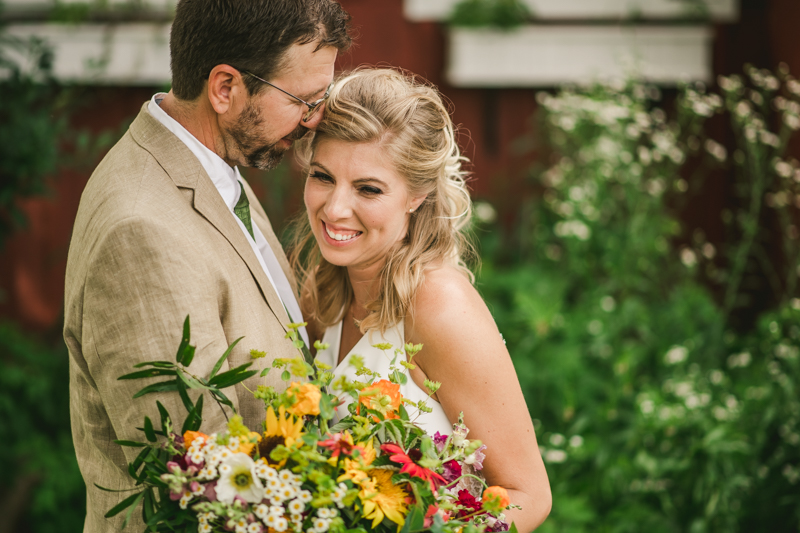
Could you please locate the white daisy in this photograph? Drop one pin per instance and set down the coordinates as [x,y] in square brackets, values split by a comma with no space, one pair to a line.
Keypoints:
[296,507]
[261,511]
[304,496]
[238,477]
[286,476]
[321,525]
[280,524]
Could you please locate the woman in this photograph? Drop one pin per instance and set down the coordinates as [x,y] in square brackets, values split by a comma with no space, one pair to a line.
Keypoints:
[384,248]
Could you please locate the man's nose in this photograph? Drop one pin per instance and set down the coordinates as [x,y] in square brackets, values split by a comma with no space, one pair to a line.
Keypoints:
[314,121]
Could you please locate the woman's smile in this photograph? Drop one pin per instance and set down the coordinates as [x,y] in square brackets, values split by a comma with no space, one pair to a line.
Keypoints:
[339,236]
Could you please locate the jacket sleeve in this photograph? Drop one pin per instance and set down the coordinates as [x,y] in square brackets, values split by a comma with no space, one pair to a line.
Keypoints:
[144,279]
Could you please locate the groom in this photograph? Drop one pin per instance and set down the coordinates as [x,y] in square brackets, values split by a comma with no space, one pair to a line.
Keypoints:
[167,227]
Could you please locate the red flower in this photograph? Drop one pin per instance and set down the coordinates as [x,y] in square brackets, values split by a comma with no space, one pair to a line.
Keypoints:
[468,501]
[410,464]
[340,443]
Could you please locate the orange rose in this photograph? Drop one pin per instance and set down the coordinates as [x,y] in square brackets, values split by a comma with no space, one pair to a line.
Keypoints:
[190,436]
[382,396]
[306,398]
[496,497]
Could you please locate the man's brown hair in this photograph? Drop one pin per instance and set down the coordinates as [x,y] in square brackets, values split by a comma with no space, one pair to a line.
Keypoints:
[252,35]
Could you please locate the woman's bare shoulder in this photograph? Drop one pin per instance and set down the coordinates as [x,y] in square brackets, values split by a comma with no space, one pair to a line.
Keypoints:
[447,306]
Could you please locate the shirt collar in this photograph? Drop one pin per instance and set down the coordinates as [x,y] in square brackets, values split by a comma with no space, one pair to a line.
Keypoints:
[224,177]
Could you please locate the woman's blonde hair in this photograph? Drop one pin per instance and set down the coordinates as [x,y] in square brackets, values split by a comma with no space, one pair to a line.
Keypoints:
[410,121]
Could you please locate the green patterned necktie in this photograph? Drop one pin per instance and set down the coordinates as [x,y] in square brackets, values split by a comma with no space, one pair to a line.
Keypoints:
[242,211]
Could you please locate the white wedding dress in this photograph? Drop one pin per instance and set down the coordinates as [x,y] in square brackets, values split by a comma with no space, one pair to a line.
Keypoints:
[379,361]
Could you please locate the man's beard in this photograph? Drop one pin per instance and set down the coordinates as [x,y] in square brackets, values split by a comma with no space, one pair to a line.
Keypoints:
[251,148]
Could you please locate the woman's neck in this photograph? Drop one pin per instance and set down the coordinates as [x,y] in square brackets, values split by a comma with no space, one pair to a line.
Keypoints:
[366,286]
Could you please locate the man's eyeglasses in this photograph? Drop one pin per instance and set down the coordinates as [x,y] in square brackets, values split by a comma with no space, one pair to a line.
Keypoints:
[313,107]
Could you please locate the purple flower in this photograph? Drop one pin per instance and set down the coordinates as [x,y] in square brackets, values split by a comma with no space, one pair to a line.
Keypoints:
[439,440]
[476,458]
[498,526]
[452,471]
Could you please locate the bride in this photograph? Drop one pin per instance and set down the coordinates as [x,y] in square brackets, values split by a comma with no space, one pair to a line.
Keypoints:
[382,253]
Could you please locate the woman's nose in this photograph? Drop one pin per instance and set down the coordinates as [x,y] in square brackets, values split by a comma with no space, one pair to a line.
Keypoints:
[338,205]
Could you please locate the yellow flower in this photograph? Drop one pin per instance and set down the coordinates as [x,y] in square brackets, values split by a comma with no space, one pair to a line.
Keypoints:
[306,398]
[382,498]
[282,430]
[356,469]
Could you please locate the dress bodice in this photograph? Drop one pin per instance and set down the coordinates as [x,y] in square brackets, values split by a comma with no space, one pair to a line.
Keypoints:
[379,361]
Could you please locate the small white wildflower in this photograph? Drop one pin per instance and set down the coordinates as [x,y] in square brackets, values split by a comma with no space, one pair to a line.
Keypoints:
[304,496]
[555,456]
[647,407]
[769,138]
[321,525]
[792,121]
[716,150]
[608,304]
[557,439]
[255,527]
[575,441]
[675,355]
[688,257]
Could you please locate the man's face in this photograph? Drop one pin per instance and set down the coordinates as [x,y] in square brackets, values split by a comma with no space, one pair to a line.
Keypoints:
[271,120]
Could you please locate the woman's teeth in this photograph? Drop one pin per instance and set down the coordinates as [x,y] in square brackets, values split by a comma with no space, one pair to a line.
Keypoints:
[339,236]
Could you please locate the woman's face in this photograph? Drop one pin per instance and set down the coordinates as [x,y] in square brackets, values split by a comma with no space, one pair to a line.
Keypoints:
[358,205]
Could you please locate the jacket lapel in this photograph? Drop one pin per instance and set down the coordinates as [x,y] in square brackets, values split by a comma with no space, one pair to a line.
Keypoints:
[186,172]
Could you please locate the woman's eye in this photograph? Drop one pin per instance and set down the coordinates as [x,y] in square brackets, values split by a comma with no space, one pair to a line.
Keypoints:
[321,176]
[371,190]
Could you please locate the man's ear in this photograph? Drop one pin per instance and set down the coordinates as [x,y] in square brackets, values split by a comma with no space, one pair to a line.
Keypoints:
[225,88]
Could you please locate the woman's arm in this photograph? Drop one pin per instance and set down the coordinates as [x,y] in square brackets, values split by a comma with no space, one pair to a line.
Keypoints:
[463,349]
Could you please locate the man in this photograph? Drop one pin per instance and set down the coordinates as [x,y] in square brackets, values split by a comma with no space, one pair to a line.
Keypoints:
[168,228]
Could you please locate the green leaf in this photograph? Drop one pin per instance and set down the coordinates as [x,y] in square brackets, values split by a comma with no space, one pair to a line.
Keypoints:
[233,376]
[398,377]
[164,416]
[195,418]
[130,501]
[264,372]
[148,429]
[134,466]
[157,364]
[513,528]
[222,359]
[285,375]
[128,515]
[187,402]
[149,373]
[188,355]
[184,340]
[161,386]
[148,507]
[130,443]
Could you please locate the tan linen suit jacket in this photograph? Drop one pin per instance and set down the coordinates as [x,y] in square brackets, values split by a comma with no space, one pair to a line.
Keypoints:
[153,242]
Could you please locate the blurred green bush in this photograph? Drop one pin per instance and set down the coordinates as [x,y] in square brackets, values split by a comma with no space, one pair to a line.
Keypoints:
[655,409]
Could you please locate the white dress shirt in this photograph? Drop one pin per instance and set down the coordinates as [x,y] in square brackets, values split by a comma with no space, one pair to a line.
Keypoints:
[226,180]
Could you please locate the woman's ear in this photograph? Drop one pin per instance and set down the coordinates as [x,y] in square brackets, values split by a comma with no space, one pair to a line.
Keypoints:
[416,202]
[225,88]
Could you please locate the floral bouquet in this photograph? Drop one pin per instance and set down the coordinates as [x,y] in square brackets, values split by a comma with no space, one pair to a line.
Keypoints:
[304,471]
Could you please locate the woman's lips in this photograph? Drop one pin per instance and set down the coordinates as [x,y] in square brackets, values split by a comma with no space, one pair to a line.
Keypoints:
[339,237]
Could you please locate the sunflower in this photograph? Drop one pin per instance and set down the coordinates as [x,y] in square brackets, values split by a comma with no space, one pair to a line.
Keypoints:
[382,498]
[282,430]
